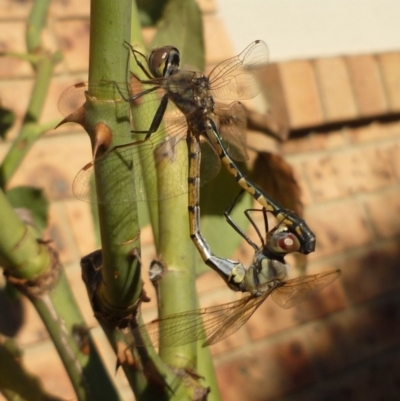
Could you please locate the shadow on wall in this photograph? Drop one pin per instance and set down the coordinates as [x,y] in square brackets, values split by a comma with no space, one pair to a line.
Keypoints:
[351,354]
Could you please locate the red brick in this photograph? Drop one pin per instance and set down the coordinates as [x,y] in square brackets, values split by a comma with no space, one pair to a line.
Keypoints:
[271,85]
[207,6]
[335,87]
[216,50]
[58,231]
[331,140]
[374,132]
[15,96]
[299,176]
[32,329]
[73,37]
[382,211]
[81,222]
[15,9]
[271,319]
[301,94]
[337,175]
[390,68]
[395,156]
[338,227]
[371,274]
[354,335]
[277,368]
[315,141]
[49,369]
[298,145]
[70,9]
[49,166]
[365,382]
[13,40]
[367,85]
[393,130]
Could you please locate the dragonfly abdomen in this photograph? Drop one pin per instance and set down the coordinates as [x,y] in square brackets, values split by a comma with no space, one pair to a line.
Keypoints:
[291,219]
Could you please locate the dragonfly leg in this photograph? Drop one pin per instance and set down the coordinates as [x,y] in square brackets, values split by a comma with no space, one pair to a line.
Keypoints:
[138,62]
[227,214]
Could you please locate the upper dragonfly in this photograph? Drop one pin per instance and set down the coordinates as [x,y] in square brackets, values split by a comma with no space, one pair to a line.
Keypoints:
[189,109]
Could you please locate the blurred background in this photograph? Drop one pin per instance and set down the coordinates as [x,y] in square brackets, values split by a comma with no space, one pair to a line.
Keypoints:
[333,88]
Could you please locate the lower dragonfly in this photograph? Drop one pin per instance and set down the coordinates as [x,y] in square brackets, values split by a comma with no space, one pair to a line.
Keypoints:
[266,276]
[189,110]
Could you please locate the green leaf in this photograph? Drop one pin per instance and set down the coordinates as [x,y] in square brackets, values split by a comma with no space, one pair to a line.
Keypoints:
[181,26]
[32,199]
[150,11]
[215,199]
[7,118]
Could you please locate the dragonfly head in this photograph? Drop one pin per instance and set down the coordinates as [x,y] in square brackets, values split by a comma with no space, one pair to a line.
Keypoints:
[281,241]
[164,61]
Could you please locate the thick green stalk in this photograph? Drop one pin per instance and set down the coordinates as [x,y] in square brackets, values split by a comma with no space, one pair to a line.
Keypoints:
[142,122]
[121,286]
[177,291]
[31,265]
[20,252]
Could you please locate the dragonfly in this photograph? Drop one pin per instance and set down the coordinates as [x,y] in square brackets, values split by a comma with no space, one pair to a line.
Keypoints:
[189,108]
[267,276]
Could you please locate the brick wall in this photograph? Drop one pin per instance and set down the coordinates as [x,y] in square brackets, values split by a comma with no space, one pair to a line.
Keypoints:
[344,117]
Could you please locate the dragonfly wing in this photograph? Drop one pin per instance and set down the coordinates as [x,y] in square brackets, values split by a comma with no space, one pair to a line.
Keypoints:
[234,321]
[132,167]
[231,121]
[213,323]
[294,291]
[234,78]
[210,162]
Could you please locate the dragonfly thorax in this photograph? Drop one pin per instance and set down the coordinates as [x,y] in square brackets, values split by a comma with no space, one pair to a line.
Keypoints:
[189,91]
[264,271]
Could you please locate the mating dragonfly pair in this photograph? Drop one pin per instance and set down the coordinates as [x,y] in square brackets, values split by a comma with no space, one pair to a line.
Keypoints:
[190,110]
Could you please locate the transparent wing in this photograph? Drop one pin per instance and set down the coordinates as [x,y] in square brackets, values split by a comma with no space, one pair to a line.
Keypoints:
[135,164]
[211,324]
[292,292]
[234,78]
[231,122]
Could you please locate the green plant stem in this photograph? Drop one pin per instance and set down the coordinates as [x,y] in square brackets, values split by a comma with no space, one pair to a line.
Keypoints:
[20,252]
[205,368]
[59,313]
[121,285]
[24,257]
[143,122]
[177,291]
[29,132]
[43,66]
[36,22]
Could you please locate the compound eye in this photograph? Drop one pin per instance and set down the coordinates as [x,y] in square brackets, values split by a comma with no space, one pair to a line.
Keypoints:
[283,242]
[164,61]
